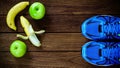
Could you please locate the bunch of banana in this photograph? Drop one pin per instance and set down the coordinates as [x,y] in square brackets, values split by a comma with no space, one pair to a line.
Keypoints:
[24,22]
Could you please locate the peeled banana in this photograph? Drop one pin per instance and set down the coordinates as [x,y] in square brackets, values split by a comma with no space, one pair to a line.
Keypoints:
[30,32]
[13,12]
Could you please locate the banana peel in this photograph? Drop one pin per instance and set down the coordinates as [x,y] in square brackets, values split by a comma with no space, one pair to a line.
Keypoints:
[31,34]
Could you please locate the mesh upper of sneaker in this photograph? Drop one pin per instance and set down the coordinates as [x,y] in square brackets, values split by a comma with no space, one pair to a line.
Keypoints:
[101,53]
[101,27]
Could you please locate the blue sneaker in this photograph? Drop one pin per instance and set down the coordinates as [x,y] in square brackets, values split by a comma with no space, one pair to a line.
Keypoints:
[101,53]
[101,27]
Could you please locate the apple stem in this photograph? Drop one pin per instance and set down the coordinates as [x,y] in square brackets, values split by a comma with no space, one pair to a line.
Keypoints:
[23,37]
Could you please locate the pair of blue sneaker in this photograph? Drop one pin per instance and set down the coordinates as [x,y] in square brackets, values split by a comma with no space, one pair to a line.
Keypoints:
[104,30]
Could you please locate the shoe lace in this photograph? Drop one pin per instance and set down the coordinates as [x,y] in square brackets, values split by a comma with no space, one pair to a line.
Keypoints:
[111,30]
[112,54]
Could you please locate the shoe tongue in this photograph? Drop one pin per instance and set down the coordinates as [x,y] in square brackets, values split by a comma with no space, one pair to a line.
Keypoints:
[94,51]
[93,29]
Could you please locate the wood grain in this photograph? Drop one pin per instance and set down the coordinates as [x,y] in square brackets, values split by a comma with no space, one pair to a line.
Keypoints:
[54,23]
[51,23]
[71,7]
[50,42]
[57,23]
[46,60]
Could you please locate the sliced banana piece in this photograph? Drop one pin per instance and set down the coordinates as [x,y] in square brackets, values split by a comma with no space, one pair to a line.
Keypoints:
[13,12]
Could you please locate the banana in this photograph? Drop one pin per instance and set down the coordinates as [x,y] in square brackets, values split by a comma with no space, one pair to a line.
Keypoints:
[13,12]
[30,32]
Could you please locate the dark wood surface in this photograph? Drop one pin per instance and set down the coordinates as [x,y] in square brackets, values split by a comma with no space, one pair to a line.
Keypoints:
[62,42]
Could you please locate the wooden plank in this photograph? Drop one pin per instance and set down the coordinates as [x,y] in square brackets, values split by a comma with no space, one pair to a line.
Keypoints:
[70,7]
[57,23]
[50,42]
[51,23]
[46,60]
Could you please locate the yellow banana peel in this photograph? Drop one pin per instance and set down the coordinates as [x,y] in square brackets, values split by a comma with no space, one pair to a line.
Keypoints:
[30,32]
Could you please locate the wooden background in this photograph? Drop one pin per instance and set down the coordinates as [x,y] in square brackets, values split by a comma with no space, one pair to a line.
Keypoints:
[62,42]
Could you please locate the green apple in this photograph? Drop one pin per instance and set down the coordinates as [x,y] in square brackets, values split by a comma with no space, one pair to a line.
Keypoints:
[18,48]
[37,10]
